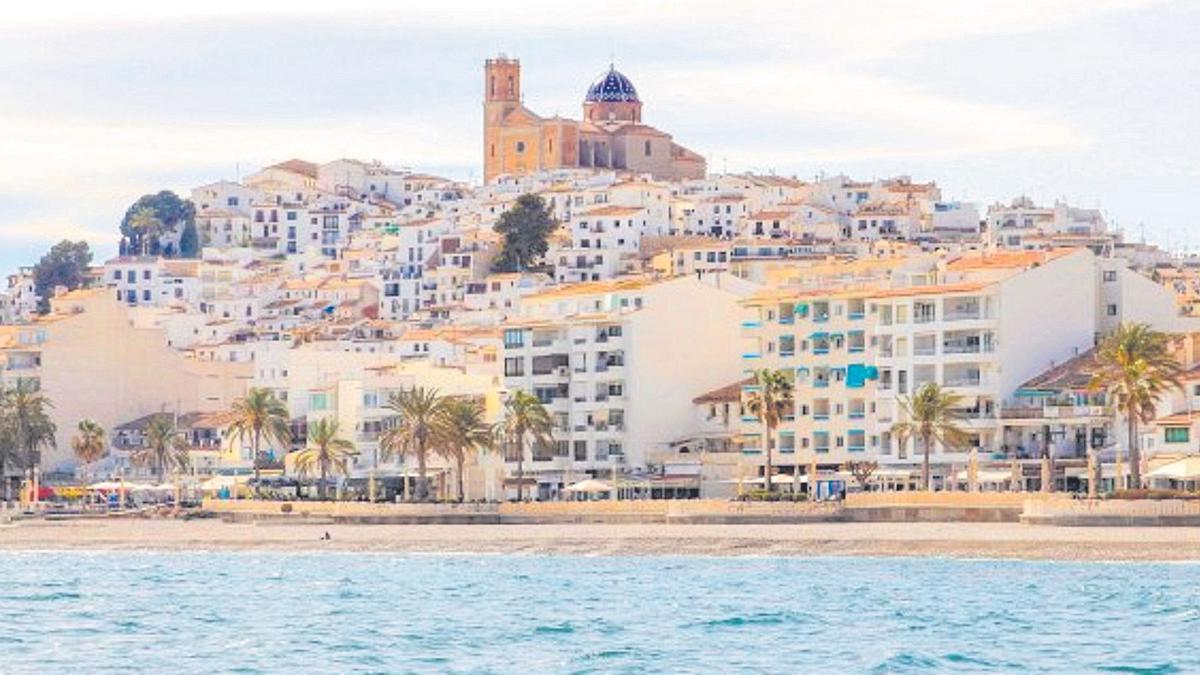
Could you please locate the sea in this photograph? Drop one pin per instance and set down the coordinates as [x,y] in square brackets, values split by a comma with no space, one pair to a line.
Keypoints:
[222,612]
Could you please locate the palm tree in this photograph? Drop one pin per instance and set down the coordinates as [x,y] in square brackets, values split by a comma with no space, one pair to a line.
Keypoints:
[90,441]
[27,427]
[931,414]
[261,416]
[770,401]
[1135,368]
[146,224]
[462,428]
[418,410]
[325,451]
[525,419]
[163,447]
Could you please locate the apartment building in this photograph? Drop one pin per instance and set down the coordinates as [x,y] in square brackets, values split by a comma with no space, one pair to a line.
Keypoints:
[618,364]
[979,327]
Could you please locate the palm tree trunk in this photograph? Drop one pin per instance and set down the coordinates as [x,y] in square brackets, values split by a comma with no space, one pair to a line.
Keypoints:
[4,477]
[321,485]
[521,468]
[1135,455]
[459,477]
[257,474]
[422,481]
[767,443]
[926,473]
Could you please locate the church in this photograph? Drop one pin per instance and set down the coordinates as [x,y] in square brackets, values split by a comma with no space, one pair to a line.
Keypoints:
[610,135]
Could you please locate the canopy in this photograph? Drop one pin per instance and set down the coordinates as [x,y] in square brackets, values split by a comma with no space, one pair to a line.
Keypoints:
[1187,468]
[108,485]
[591,485]
[219,482]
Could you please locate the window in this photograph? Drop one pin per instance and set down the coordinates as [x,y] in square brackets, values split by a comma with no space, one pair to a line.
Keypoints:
[647,148]
[1112,310]
[514,337]
[1110,275]
[514,367]
[146,274]
[318,401]
[520,146]
[1176,434]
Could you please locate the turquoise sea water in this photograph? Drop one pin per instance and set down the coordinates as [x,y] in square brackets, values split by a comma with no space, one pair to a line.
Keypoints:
[333,612]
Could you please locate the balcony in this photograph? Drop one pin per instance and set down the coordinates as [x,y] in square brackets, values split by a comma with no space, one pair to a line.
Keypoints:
[964,381]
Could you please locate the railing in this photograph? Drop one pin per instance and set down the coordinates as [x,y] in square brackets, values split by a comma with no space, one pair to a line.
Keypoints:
[963,382]
[965,349]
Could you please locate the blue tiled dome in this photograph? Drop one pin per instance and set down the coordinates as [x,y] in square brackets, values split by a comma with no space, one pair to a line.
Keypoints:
[610,87]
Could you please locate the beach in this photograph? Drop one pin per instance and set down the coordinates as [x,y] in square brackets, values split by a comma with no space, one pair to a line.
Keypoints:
[955,540]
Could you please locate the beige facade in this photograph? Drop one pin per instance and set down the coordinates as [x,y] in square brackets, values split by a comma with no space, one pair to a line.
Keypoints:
[612,136]
[93,363]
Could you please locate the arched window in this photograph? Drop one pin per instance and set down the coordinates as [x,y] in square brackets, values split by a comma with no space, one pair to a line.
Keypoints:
[512,87]
[493,149]
[492,87]
[647,148]
[549,145]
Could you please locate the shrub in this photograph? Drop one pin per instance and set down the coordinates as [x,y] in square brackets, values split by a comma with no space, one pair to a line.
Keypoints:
[1154,494]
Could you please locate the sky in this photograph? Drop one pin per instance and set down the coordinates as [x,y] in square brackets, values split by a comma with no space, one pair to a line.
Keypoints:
[1092,101]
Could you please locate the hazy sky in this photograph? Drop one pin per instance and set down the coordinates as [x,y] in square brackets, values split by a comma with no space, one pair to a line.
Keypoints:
[1096,101]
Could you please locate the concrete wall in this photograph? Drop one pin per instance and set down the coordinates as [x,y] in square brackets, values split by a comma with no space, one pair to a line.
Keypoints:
[683,344]
[1046,314]
[96,365]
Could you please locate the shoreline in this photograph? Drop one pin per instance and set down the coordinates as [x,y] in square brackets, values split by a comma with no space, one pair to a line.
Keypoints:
[980,541]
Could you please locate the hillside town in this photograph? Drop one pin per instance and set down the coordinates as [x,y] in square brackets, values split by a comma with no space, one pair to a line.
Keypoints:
[633,324]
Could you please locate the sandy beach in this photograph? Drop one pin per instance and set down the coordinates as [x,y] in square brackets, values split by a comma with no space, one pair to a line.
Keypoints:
[963,540]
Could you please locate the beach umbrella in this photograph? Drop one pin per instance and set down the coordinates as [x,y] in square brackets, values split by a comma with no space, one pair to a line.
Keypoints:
[1184,469]
[589,486]
[1047,479]
[973,471]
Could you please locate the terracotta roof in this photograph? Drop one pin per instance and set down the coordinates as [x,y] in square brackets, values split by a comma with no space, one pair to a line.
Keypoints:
[297,166]
[1075,373]
[613,210]
[726,394]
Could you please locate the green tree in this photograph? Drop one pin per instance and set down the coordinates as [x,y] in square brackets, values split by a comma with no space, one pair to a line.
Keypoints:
[930,414]
[526,421]
[461,428]
[770,401]
[326,452]
[189,241]
[412,429]
[163,447]
[25,428]
[151,216]
[90,441]
[259,416]
[526,227]
[1135,369]
[66,264]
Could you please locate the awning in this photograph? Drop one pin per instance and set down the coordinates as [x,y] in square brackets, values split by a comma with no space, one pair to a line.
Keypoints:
[589,486]
[1187,468]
